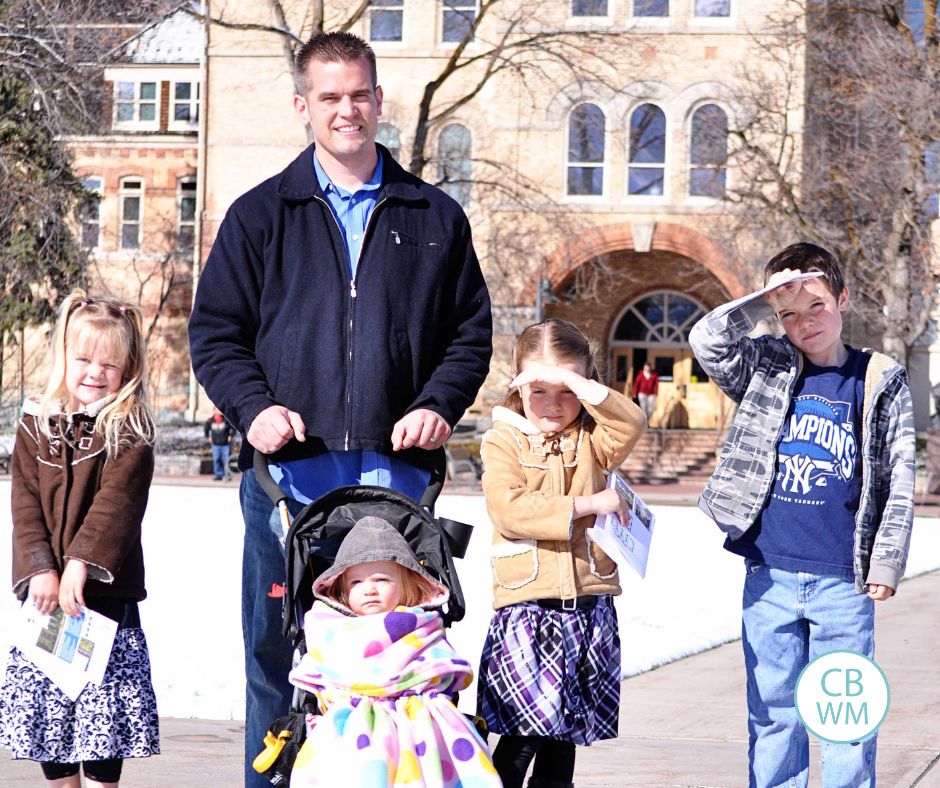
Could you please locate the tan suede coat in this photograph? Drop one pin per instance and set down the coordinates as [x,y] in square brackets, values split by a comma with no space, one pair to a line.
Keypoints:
[530,481]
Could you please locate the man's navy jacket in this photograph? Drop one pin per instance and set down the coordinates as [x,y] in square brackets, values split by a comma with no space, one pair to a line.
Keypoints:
[276,319]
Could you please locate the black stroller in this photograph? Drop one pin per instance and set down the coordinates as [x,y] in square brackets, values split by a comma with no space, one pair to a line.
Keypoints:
[311,541]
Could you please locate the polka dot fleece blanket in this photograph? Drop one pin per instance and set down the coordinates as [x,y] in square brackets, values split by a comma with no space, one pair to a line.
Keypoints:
[384,680]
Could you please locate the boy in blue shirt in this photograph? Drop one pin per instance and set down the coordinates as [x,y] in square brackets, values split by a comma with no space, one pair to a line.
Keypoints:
[814,489]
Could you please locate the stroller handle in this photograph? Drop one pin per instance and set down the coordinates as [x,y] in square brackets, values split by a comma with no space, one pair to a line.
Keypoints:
[273,490]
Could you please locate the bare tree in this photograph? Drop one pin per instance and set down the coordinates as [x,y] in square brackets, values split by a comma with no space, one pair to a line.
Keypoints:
[855,178]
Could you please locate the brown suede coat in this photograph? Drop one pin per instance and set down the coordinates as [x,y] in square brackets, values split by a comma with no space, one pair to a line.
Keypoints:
[530,481]
[70,500]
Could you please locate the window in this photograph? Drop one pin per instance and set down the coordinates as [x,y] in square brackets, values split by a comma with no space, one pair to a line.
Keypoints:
[453,151]
[184,108]
[708,152]
[589,8]
[387,135]
[136,104]
[91,213]
[647,169]
[186,215]
[586,150]
[459,16]
[659,317]
[651,7]
[713,8]
[132,195]
[385,20]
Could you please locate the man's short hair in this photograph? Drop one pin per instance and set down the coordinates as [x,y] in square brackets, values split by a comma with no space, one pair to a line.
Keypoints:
[332,47]
[808,257]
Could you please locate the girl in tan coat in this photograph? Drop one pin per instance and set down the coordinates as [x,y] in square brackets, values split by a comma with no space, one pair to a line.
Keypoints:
[550,670]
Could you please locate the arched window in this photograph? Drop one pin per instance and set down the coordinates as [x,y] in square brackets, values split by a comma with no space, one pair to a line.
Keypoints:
[664,317]
[586,150]
[708,152]
[647,151]
[454,148]
[387,135]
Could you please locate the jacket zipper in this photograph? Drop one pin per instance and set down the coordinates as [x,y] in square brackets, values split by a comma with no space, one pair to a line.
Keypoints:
[352,304]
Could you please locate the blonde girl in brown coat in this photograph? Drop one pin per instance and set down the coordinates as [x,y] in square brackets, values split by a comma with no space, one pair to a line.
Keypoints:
[550,670]
[82,465]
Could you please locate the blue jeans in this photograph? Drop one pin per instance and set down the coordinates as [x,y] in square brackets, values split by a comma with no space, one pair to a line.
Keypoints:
[789,619]
[220,460]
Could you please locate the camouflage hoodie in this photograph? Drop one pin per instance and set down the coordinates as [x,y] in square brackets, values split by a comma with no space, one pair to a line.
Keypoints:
[759,375]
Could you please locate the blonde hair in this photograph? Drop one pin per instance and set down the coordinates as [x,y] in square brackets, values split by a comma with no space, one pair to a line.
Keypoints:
[415,590]
[552,338]
[126,419]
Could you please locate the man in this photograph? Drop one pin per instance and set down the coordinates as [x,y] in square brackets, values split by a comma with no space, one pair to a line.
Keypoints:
[219,434]
[645,389]
[343,324]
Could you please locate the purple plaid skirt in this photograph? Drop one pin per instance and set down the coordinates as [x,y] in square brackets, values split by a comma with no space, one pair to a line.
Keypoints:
[552,673]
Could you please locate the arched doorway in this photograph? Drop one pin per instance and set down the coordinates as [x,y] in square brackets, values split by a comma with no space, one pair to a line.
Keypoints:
[655,328]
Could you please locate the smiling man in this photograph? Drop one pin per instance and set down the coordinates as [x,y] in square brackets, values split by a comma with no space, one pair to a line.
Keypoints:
[343,324]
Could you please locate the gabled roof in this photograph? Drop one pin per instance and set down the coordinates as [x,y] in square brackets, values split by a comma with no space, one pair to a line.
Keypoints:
[177,38]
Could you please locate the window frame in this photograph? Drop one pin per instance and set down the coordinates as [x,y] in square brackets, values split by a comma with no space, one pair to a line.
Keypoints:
[690,147]
[453,6]
[605,15]
[650,19]
[194,103]
[601,165]
[697,19]
[84,218]
[124,193]
[390,6]
[185,194]
[664,165]
[135,123]
[462,187]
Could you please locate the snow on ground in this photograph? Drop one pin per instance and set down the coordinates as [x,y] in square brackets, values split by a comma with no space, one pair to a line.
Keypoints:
[688,602]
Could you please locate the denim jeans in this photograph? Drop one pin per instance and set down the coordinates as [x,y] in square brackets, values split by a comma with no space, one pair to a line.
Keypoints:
[789,619]
[220,456]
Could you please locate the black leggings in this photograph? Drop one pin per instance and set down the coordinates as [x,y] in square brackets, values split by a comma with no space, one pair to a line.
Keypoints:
[108,771]
[554,760]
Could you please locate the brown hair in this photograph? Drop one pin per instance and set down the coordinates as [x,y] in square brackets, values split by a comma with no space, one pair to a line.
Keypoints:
[808,257]
[552,338]
[415,590]
[335,47]
[83,321]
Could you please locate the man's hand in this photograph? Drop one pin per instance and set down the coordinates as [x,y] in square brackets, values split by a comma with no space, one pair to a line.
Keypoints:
[880,593]
[274,427]
[44,591]
[422,428]
[72,587]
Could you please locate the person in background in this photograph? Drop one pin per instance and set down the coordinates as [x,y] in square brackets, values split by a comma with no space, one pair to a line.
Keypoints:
[645,389]
[219,434]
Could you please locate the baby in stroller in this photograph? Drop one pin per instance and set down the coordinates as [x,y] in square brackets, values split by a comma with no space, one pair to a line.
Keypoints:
[379,663]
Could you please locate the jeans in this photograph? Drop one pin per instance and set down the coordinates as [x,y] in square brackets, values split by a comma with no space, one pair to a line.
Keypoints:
[647,405]
[220,460]
[789,619]
[268,653]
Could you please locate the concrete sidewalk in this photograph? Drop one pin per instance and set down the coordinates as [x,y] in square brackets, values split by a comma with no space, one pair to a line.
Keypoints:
[680,725]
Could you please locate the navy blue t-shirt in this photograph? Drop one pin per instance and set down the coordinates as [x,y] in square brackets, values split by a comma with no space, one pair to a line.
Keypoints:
[808,523]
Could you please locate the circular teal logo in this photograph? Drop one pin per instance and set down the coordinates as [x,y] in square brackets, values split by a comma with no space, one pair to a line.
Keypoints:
[842,697]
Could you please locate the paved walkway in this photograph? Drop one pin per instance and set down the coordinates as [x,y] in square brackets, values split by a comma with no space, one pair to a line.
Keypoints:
[680,725]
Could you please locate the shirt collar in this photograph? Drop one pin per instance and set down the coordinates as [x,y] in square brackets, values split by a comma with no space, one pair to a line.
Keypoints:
[373,184]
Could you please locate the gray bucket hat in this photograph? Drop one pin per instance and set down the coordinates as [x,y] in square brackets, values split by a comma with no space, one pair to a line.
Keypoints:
[374,539]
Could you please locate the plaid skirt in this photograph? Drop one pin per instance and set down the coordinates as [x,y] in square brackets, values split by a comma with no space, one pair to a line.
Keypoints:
[552,673]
